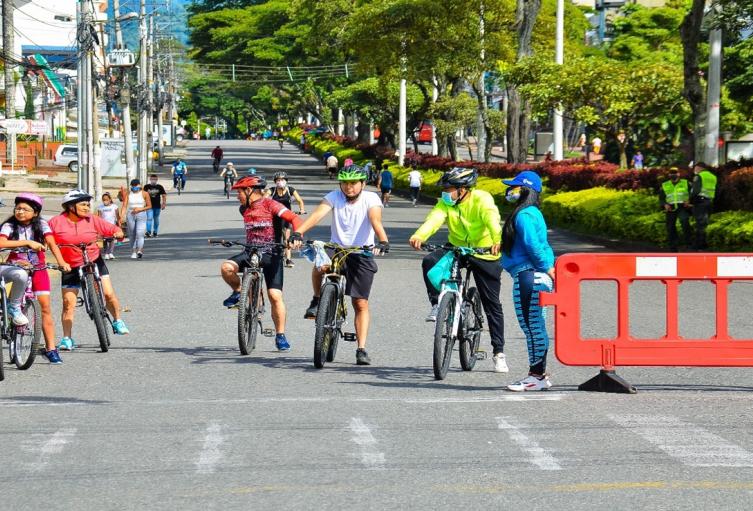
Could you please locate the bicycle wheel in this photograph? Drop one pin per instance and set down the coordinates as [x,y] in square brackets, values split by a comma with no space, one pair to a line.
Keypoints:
[443,338]
[473,323]
[24,341]
[248,312]
[339,320]
[98,312]
[326,330]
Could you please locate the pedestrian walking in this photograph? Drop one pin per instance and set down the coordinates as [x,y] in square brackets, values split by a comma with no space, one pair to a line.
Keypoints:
[136,204]
[529,259]
[702,195]
[109,212]
[384,183]
[674,197]
[332,163]
[414,182]
[158,197]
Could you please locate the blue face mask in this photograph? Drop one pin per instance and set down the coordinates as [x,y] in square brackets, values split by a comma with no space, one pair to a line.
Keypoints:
[447,199]
[135,188]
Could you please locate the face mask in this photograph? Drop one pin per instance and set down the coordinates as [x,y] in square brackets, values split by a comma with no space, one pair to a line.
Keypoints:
[281,183]
[154,181]
[512,195]
[135,188]
[447,199]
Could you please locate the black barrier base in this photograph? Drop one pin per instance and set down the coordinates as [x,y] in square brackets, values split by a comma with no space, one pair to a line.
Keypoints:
[607,381]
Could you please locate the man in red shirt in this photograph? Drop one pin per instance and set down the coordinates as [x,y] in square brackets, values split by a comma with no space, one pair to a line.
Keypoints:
[73,226]
[217,154]
[259,213]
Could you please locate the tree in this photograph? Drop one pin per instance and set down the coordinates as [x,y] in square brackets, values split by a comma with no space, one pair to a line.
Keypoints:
[617,99]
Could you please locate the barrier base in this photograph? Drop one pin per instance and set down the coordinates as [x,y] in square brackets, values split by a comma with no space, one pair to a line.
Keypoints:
[607,381]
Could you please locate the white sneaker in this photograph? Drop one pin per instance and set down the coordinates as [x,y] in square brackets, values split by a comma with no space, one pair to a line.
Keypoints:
[500,363]
[432,317]
[134,256]
[530,382]
[19,319]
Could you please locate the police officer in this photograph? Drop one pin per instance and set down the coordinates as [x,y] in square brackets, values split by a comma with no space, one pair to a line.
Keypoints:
[674,196]
[702,195]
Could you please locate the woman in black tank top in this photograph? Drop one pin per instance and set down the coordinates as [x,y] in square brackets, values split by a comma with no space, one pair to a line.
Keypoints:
[285,194]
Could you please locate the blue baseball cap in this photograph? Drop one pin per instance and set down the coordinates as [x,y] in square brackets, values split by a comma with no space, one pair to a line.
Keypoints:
[527,178]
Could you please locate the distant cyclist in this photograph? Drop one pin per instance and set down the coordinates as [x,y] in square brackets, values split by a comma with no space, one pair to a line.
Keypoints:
[472,220]
[217,154]
[281,141]
[229,174]
[284,194]
[179,172]
[258,215]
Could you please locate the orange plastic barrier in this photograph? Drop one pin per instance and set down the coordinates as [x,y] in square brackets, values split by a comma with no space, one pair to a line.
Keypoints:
[623,350]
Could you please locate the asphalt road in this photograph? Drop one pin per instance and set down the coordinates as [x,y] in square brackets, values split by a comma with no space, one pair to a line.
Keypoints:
[174,418]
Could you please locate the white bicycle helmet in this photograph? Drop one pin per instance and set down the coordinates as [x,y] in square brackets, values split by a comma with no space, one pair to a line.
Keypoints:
[75,196]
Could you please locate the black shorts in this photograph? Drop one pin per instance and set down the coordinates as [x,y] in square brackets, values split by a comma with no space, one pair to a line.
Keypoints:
[271,267]
[72,280]
[359,275]
[386,190]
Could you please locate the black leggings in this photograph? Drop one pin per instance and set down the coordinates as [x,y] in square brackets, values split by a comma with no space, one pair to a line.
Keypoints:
[486,275]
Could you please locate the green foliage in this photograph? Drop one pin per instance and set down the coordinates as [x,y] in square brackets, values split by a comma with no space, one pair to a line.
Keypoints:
[451,113]
[649,35]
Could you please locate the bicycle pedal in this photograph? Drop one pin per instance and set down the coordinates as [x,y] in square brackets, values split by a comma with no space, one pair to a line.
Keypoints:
[481,355]
[79,302]
[349,337]
[268,332]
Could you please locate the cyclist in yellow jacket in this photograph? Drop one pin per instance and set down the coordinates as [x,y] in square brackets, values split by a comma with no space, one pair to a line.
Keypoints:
[473,220]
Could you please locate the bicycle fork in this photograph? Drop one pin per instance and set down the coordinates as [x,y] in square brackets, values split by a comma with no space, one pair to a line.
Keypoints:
[458,306]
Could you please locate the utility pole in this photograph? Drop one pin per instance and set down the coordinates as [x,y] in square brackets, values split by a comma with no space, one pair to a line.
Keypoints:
[150,91]
[83,99]
[713,97]
[159,98]
[559,59]
[434,97]
[403,113]
[142,144]
[480,129]
[126,120]
[10,86]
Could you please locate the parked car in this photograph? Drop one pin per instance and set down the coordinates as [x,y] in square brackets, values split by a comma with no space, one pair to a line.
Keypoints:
[67,156]
[425,132]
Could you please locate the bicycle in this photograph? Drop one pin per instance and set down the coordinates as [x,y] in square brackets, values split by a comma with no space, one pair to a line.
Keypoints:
[459,317]
[179,182]
[333,311]
[23,341]
[23,345]
[215,165]
[280,141]
[93,297]
[251,306]
[229,181]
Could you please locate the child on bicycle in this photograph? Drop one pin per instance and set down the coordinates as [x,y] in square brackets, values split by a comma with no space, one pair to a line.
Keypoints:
[26,229]
[73,226]
[356,220]
[259,213]
[473,221]
[530,260]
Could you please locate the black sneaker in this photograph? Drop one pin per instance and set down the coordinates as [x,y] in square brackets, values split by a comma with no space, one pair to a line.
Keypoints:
[313,308]
[148,235]
[362,358]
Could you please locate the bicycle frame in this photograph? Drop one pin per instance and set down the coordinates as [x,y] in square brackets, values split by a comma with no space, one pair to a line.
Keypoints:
[452,286]
[87,268]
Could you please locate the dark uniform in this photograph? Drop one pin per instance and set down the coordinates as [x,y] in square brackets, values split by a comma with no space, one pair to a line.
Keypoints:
[674,196]
[702,195]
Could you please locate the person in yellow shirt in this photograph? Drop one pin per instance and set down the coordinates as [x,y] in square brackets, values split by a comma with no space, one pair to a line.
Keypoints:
[473,221]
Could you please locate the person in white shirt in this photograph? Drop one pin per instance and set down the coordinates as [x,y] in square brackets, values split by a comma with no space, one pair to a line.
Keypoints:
[332,165]
[414,182]
[356,220]
[109,212]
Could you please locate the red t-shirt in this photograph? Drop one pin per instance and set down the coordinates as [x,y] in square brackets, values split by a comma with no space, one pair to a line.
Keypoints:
[258,219]
[86,230]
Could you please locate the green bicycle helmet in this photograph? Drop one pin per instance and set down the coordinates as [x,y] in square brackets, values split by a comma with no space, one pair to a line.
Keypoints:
[352,173]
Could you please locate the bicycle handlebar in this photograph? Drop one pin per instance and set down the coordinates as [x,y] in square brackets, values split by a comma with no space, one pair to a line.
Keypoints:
[230,243]
[430,247]
[329,244]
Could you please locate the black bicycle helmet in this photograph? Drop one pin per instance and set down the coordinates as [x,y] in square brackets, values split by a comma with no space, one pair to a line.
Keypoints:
[459,177]
[280,174]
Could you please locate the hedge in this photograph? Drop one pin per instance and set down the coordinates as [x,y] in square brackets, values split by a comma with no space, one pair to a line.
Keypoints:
[609,210]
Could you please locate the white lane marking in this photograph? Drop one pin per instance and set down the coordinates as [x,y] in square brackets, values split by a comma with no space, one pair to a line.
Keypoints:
[210,452]
[538,456]
[734,266]
[543,396]
[655,266]
[53,445]
[694,446]
[368,451]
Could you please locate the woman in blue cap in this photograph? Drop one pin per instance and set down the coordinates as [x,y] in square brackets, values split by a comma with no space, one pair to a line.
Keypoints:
[528,257]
